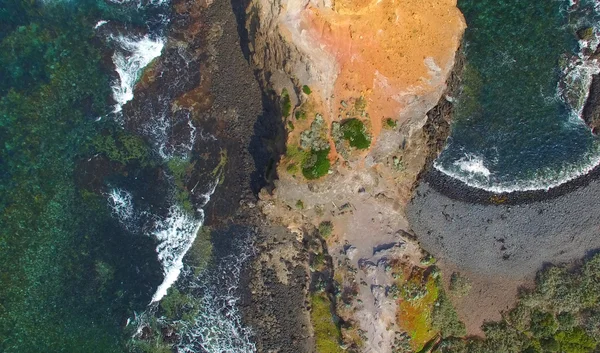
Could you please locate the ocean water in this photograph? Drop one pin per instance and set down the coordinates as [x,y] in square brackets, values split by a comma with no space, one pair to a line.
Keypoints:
[95,216]
[517,122]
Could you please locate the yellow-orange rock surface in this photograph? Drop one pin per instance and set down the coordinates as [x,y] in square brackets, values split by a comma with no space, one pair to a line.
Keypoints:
[390,51]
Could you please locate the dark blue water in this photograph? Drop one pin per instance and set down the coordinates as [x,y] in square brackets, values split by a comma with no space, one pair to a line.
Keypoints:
[517,124]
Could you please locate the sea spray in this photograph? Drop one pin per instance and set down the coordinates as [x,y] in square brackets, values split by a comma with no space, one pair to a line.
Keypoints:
[130,58]
[214,322]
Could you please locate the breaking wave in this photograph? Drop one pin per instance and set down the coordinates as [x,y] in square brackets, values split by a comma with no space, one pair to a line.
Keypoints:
[217,327]
[132,56]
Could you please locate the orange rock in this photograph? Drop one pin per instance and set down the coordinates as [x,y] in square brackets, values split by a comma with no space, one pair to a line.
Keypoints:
[389,51]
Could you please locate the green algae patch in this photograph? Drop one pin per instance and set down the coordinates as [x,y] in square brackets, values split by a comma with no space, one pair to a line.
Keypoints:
[327,333]
[306,90]
[355,132]
[123,148]
[201,253]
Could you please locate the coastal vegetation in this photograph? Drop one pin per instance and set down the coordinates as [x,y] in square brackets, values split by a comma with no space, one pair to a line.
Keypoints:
[316,164]
[312,155]
[562,314]
[424,312]
[355,133]
[327,333]
[286,103]
[325,229]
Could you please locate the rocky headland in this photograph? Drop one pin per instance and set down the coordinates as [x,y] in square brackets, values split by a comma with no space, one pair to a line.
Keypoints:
[355,84]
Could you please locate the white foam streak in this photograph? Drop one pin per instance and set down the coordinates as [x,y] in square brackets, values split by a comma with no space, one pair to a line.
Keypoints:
[175,234]
[132,57]
[100,24]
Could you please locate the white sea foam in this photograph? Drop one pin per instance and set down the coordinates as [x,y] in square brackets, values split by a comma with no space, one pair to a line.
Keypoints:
[578,70]
[472,164]
[100,24]
[132,56]
[121,203]
[175,234]
[218,326]
[542,180]
[160,129]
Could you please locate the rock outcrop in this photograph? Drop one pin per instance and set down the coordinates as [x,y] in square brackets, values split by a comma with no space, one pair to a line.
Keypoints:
[385,64]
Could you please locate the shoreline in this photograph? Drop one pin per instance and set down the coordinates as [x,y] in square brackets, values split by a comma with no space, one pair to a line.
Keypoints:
[459,191]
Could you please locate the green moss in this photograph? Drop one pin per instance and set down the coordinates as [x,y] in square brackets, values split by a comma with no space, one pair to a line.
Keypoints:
[300,205]
[586,33]
[316,164]
[180,170]
[219,170]
[306,89]
[354,131]
[290,126]
[327,334]
[286,103]
[325,229]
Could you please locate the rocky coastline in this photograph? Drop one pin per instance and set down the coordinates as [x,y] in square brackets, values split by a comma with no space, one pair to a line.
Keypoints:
[293,260]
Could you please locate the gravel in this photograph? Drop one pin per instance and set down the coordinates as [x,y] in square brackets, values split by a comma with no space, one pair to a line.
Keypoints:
[515,237]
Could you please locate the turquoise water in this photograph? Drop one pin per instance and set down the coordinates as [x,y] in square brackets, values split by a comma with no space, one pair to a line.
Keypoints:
[516,119]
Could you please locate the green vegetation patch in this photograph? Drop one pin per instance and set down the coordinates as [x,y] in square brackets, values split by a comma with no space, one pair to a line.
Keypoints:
[562,314]
[355,132]
[316,164]
[325,229]
[286,103]
[459,285]
[180,169]
[306,89]
[390,123]
[201,253]
[327,333]
[300,114]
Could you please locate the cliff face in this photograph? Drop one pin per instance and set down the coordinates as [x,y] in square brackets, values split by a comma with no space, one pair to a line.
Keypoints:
[385,64]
